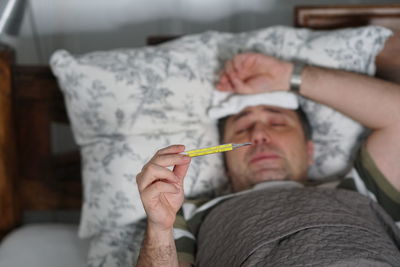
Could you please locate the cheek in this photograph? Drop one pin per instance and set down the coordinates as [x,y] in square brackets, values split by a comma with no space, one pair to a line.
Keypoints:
[231,157]
[299,155]
[296,149]
[235,159]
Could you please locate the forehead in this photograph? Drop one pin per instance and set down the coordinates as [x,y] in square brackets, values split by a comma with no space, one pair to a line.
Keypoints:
[263,111]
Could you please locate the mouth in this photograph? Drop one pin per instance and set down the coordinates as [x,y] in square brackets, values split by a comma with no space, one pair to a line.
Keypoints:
[263,156]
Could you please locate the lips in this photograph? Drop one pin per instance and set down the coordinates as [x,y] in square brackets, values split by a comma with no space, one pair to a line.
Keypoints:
[263,156]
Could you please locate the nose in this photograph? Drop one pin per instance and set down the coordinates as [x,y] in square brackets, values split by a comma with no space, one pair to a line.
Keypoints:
[260,134]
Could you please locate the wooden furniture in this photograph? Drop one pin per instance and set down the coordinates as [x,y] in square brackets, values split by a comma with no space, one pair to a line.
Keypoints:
[32,177]
[333,17]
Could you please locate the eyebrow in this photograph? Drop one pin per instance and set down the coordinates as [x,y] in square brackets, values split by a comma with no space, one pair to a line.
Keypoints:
[240,115]
[247,112]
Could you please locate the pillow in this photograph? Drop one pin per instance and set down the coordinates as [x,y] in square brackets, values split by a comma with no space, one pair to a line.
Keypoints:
[117,247]
[125,104]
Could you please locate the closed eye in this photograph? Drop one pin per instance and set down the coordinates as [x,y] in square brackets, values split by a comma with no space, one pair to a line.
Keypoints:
[278,124]
[243,126]
[241,131]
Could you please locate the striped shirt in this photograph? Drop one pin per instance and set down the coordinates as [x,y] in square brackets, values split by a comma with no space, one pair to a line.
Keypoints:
[364,178]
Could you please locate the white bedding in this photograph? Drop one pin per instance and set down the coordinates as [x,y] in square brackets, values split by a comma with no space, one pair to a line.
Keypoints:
[44,245]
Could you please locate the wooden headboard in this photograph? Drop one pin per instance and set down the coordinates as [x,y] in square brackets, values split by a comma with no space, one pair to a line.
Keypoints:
[333,17]
[32,177]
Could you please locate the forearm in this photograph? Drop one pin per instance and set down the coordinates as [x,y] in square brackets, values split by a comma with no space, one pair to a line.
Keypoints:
[158,249]
[370,101]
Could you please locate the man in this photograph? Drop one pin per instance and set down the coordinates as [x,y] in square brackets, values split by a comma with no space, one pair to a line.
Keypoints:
[281,153]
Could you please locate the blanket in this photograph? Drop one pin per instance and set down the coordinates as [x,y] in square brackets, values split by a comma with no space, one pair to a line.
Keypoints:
[298,227]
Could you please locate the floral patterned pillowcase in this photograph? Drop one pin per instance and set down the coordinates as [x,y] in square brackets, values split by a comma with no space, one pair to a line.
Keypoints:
[125,104]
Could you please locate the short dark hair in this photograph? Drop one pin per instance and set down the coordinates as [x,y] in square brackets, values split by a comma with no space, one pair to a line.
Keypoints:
[305,123]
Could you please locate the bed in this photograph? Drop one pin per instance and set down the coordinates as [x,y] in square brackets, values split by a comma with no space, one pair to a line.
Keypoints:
[33,178]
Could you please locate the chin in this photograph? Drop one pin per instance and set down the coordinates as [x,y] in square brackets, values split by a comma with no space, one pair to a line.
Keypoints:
[270,175]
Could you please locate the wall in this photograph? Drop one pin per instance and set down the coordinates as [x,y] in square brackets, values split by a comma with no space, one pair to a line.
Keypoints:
[81,26]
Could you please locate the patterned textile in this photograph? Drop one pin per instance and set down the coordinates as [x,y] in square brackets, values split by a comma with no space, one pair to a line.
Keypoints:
[119,247]
[125,104]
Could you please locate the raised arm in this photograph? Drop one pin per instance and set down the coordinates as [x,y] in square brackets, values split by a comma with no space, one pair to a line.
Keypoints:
[161,192]
[373,102]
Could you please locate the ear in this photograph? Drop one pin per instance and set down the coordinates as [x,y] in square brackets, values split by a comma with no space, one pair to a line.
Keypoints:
[310,152]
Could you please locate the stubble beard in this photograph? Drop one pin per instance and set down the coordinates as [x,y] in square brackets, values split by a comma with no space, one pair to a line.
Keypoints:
[249,178]
[263,171]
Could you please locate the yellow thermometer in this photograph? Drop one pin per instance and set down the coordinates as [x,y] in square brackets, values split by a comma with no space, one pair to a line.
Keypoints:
[213,149]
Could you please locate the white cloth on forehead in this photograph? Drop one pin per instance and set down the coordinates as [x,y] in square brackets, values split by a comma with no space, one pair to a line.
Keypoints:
[225,104]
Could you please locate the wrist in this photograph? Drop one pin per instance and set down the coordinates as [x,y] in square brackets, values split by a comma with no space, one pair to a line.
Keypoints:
[156,232]
[158,248]
[159,238]
[296,77]
[288,70]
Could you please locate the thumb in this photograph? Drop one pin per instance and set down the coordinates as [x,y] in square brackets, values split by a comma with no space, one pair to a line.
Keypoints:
[180,171]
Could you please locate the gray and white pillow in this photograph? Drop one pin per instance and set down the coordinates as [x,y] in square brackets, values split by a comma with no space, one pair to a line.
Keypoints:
[125,104]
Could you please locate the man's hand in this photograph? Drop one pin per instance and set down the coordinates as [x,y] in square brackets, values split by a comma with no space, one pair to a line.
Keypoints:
[252,73]
[161,189]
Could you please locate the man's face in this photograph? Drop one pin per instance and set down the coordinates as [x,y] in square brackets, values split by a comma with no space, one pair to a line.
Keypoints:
[279,150]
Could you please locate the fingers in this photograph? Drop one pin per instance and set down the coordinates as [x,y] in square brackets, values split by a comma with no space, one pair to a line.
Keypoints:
[181,170]
[171,149]
[161,187]
[238,84]
[167,160]
[233,75]
[251,73]
[224,83]
[158,197]
[155,170]
[229,66]
[152,173]
[231,82]
[239,65]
